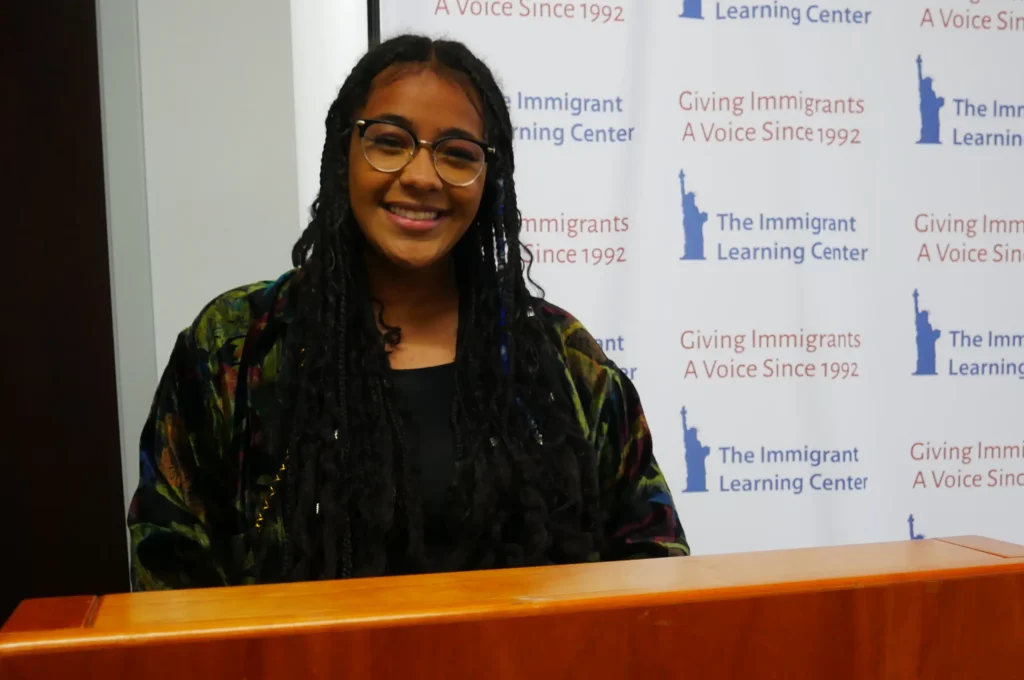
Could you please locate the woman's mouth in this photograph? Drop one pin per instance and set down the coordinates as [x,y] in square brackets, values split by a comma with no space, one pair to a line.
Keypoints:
[414,219]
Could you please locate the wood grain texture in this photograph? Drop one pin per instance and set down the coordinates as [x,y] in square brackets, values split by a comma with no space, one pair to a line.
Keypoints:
[986,545]
[920,609]
[53,613]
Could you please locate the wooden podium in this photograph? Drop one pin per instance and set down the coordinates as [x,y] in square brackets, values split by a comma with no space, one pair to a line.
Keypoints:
[949,608]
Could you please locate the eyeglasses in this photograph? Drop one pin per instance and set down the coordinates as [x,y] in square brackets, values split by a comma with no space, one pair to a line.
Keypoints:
[389,147]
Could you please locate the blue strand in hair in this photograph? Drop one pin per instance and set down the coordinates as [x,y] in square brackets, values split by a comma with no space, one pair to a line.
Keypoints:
[499,238]
[499,234]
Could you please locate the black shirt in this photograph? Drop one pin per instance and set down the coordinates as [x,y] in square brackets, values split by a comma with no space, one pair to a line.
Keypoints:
[424,398]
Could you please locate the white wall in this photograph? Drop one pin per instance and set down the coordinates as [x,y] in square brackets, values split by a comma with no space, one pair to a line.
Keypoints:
[219,128]
[212,137]
[327,40]
[127,224]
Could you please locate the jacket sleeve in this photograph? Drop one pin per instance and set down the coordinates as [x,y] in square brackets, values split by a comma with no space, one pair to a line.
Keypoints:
[641,517]
[168,519]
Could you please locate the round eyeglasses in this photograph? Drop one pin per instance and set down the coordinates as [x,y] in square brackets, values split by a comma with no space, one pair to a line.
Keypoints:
[389,147]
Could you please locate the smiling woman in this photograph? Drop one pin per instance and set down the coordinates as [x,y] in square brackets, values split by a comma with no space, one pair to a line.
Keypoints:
[399,402]
[417,220]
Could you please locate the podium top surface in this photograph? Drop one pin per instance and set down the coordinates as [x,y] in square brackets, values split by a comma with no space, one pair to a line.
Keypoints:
[138,618]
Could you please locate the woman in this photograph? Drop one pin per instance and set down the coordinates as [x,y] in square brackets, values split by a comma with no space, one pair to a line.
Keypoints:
[399,402]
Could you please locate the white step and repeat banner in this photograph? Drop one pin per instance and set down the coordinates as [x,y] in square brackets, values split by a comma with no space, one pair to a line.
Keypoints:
[799,228]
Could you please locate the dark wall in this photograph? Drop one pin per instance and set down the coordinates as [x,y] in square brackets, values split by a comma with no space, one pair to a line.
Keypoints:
[61,505]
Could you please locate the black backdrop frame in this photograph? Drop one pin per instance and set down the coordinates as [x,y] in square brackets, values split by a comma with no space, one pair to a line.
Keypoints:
[373,22]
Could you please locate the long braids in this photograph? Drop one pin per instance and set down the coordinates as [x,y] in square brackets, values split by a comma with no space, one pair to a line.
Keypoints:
[527,490]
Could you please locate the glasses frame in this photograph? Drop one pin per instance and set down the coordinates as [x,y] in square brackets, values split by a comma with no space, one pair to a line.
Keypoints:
[489,151]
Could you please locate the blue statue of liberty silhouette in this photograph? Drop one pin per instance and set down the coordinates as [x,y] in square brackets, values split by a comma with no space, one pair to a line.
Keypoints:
[930,105]
[913,536]
[692,10]
[926,337]
[696,455]
[693,223]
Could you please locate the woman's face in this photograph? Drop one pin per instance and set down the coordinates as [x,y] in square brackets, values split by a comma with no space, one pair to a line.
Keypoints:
[412,217]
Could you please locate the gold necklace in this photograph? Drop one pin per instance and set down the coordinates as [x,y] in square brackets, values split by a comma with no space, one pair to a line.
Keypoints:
[270,494]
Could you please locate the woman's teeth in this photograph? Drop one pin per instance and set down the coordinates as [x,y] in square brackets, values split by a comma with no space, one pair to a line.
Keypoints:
[413,214]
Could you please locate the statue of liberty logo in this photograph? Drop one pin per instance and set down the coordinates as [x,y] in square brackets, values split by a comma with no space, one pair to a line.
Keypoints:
[693,223]
[925,337]
[930,103]
[913,536]
[692,10]
[696,455]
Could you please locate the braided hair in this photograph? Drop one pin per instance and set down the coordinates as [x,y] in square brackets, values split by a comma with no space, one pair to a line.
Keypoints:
[526,490]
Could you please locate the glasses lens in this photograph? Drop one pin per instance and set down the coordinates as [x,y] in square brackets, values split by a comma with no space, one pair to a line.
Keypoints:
[459,162]
[387,147]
